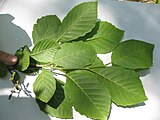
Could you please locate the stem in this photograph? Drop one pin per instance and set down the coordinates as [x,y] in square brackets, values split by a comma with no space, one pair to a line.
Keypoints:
[38,65]
[49,65]
[86,67]
[52,68]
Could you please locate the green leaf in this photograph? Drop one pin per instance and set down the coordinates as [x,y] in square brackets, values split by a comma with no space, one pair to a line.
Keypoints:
[3,69]
[96,63]
[88,94]
[90,34]
[133,54]
[63,110]
[45,85]
[124,85]
[79,21]
[44,51]
[32,70]
[46,28]
[58,96]
[107,38]
[74,55]
[23,57]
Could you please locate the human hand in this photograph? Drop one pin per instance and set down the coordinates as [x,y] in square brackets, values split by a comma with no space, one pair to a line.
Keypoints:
[8,59]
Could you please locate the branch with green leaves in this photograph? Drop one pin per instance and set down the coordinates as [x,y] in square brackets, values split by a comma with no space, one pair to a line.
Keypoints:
[69,48]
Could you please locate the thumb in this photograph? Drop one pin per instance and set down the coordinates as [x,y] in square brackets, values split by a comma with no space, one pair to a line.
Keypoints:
[8,59]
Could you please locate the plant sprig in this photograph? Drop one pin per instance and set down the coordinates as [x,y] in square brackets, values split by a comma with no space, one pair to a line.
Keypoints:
[71,46]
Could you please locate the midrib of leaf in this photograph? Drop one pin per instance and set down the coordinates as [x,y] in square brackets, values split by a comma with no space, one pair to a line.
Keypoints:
[71,25]
[86,95]
[114,82]
[63,58]
[141,51]
[45,33]
[42,51]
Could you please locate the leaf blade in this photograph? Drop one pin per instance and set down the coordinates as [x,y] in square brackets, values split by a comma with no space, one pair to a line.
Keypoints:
[133,54]
[124,85]
[89,97]
[44,51]
[96,63]
[45,28]
[106,38]
[74,55]
[24,58]
[58,96]
[79,21]
[44,86]
[64,110]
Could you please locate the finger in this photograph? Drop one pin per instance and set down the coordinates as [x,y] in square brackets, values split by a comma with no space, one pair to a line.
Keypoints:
[8,59]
